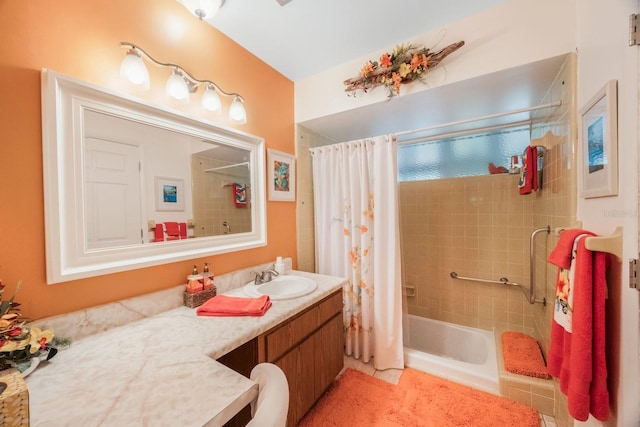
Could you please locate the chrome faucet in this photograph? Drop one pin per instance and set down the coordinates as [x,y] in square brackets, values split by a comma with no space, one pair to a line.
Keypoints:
[264,276]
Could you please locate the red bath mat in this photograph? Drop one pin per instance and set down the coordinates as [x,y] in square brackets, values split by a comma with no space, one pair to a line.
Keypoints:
[522,355]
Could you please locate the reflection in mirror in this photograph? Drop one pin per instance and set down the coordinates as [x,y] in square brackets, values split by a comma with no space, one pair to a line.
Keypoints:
[129,184]
[175,185]
[221,191]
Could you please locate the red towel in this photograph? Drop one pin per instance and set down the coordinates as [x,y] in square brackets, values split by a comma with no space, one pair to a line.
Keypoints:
[173,230]
[158,233]
[529,173]
[240,195]
[577,358]
[222,305]
[183,230]
[561,254]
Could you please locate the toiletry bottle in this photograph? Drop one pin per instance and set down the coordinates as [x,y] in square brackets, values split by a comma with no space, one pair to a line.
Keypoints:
[514,168]
[279,265]
[193,281]
[207,277]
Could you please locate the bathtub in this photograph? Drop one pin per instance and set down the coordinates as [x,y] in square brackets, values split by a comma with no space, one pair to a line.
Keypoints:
[459,353]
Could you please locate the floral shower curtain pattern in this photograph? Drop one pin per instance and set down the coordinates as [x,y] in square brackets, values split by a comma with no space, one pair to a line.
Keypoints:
[357,237]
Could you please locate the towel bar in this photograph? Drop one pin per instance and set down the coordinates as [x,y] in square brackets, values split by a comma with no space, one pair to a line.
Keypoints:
[502,281]
[610,244]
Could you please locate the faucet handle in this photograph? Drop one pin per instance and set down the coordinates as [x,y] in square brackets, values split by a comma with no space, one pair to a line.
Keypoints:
[258,277]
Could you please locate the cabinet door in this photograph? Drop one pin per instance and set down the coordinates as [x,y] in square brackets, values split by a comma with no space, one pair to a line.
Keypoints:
[298,366]
[307,365]
[288,364]
[329,354]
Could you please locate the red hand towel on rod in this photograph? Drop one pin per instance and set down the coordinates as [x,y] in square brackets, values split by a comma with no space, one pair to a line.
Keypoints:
[183,230]
[173,231]
[529,176]
[577,358]
[158,233]
[240,195]
[561,254]
[222,305]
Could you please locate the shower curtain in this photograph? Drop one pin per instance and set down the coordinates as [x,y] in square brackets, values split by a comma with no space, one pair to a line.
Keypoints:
[357,237]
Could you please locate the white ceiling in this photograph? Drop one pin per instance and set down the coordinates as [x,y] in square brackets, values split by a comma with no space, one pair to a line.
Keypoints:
[305,37]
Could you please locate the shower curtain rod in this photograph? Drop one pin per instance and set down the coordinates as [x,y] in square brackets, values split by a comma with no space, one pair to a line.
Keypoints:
[463,132]
[477,119]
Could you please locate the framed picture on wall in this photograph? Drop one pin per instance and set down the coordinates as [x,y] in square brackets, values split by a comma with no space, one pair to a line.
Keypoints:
[281,176]
[169,194]
[598,136]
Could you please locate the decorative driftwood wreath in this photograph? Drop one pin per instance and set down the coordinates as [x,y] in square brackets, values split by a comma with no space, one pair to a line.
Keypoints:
[404,65]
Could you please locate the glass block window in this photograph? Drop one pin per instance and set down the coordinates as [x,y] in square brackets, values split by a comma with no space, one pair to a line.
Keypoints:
[467,155]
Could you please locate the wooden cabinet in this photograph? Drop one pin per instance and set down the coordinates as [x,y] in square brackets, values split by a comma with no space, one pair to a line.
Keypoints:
[309,349]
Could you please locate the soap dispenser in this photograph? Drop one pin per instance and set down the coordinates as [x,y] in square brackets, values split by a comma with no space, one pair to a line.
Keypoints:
[207,277]
[193,281]
[279,265]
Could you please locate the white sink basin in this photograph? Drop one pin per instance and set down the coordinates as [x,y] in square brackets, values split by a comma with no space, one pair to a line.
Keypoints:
[282,287]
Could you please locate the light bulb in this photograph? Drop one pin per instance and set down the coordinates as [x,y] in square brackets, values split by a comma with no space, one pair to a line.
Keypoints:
[134,70]
[237,113]
[177,86]
[210,99]
[203,9]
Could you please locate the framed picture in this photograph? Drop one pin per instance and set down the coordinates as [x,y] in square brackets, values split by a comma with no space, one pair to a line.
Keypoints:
[281,176]
[598,136]
[169,194]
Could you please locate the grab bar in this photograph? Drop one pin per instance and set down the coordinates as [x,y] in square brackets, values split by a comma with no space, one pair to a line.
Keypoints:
[532,266]
[502,281]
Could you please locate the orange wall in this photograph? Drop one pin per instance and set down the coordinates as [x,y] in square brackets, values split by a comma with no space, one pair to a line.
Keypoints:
[81,39]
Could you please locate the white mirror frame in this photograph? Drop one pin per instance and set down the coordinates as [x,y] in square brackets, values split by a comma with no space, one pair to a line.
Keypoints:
[63,102]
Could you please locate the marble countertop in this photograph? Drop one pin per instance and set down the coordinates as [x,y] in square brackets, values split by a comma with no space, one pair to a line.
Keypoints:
[159,370]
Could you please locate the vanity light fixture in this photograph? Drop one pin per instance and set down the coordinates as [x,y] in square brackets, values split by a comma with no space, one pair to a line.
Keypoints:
[134,70]
[177,86]
[180,83]
[211,99]
[237,112]
[203,9]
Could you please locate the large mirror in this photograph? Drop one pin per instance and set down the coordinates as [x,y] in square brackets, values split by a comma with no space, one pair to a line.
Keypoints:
[129,184]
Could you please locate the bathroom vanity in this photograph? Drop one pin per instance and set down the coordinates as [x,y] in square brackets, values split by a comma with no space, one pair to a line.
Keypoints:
[307,347]
[151,367]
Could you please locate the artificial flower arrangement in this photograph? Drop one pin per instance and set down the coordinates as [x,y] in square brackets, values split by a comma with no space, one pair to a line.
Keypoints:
[404,65]
[20,343]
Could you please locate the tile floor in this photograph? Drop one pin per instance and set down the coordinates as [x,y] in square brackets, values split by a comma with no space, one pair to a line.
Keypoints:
[393,376]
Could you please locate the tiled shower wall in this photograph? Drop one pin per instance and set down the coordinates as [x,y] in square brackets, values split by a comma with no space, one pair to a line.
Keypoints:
[556,206]
[474,226]
[213,202]
[480,227]
[304,198]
